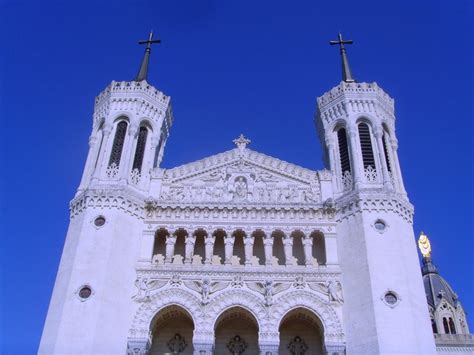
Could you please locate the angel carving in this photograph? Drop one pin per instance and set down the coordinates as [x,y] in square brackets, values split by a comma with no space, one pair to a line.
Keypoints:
[334,291]
[268,289]
[144,287]
[205,287]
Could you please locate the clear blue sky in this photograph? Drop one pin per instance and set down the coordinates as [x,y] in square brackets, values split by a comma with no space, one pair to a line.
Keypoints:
[252,67]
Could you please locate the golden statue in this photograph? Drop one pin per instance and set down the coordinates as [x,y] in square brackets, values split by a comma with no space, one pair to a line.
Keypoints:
[424,245]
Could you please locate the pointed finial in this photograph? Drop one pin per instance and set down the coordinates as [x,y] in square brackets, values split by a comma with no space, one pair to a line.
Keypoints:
[241,142]
[346,70]
[424,245]
[143,72]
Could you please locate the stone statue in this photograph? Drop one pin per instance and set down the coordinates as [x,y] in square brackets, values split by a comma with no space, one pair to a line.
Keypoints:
[334,289]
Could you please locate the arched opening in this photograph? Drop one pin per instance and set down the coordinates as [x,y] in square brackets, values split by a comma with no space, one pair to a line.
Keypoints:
[445,325]
[199,245]
[172,332]
[239,249]
[236,329]
[298,250]
[343,151]
[140,149]
[179,247]
[219,245]
[319,248]
[452,327]
[117,145]
[258,247]
[366,146]
[278,249]
[301,332]
[159,247]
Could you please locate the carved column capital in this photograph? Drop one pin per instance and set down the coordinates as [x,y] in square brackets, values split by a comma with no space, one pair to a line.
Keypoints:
[107,129]
[132,131]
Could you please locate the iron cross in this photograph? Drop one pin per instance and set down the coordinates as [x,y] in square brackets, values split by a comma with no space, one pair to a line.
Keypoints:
[149,41]
[346,70]
[341,42]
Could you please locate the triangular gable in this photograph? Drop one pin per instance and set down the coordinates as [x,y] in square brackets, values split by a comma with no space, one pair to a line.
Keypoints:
[241,176]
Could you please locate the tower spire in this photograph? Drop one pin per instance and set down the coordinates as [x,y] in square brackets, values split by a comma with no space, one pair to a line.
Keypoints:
[346,70]
[143,72]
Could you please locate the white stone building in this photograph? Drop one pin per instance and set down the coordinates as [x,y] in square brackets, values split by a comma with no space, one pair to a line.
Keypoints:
[240,252]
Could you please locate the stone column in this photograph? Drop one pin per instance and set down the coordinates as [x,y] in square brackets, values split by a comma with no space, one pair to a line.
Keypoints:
[268,246]
[102,159]
[397,168]
[170,242]
[268,342]
[229,246]
[209,248]
[86,175]
[248,245]
[332,162]
[387,181]
[189,247]
[288,248]
[203,342]
[356,165]
[138,346]
[308,249]
[127,153]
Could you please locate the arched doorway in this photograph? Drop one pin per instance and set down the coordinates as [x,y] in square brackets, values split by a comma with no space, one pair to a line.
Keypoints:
[301,332]
[172,332]
[236,332]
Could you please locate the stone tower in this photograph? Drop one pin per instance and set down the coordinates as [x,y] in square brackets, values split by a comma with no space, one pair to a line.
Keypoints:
[385,307]
[131,122]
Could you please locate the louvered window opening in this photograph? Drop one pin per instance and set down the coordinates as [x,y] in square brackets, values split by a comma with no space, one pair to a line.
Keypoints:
[366,146]
[445,326]
[140,150]
[385,150]
[117,146]
[343,150]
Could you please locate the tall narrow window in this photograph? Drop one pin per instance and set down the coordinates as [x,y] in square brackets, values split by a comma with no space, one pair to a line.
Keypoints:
[385,150]
[445,326]
[452,328]
[343,150]
[117,146]
[366,146]
[140,150]
[434,326]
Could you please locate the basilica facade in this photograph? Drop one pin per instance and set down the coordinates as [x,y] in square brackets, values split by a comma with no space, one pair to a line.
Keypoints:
[240,252]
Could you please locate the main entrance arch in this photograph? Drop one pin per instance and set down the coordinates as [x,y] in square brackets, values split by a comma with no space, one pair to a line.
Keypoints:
[236,332]
[172,332]
[301,332]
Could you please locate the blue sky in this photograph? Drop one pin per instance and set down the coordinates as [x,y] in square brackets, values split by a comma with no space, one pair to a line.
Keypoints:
[230,67]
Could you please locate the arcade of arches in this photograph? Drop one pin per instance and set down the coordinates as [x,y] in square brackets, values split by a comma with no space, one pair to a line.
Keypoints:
[236,331]
[239,247]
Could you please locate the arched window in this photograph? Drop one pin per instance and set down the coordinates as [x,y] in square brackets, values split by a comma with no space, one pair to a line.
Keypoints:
[434,326]
[366,146]
[140,150]
[445,325]
[385,137]
[117,145]
[452,328]
[319,248]
[343,150]
[160,243]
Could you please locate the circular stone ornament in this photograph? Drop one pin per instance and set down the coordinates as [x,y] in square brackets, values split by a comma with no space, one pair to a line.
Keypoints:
[99,221]
[391,298]
[380,225]
[84,292]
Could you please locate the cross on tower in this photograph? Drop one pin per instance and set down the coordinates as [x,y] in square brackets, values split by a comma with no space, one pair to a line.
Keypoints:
[346,70]
[143,72]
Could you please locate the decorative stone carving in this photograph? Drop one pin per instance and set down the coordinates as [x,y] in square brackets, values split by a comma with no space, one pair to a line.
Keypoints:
[135,176]
[237,345]
[334,291]
[145,287]
[176,344]
[297,346]
[112,171]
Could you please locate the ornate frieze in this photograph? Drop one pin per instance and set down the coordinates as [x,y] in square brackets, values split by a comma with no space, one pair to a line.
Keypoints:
[372,202]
